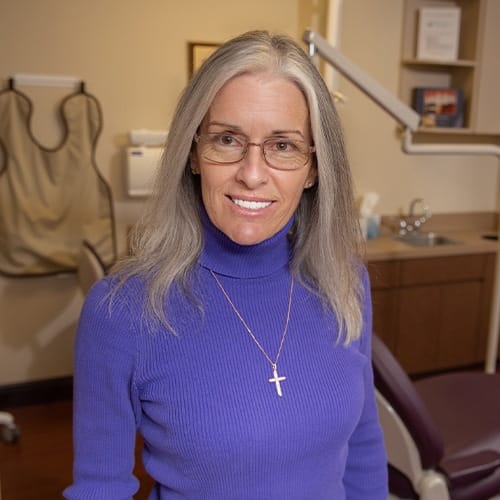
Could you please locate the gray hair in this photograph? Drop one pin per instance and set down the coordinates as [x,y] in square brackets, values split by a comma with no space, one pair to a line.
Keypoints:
[168,239]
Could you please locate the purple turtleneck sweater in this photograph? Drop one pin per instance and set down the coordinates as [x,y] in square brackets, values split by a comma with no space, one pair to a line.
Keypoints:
[214,426]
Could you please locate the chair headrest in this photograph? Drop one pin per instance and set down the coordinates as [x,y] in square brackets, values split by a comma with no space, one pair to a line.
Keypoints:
[90,267]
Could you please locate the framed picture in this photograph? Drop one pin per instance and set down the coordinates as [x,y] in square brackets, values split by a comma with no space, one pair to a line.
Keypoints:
[198,53]
[438,33]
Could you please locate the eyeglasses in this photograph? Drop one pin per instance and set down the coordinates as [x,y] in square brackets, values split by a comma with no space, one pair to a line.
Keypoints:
[280,153]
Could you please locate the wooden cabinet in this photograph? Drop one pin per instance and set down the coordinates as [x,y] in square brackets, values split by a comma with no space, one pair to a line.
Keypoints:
[476,71]
[433,313]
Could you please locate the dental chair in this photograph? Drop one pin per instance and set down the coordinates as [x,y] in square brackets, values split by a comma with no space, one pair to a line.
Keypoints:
[90,267]
[442,433]
[9,432]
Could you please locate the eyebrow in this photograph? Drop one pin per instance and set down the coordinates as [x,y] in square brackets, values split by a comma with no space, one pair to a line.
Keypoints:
[223,124]
[274,132]
[291,131]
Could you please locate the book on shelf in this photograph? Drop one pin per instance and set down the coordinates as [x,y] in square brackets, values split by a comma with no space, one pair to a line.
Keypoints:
[439,106]
[438,33]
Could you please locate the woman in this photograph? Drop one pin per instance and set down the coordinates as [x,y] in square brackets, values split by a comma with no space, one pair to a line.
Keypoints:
[236,340]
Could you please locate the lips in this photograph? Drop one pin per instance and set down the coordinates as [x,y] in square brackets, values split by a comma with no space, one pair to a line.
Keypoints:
[251,204]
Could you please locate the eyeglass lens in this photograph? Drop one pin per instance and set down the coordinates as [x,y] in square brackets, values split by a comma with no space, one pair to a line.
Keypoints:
[280,153]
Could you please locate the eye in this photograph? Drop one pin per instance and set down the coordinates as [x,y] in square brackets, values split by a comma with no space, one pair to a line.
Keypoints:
[227,140]
[283,146]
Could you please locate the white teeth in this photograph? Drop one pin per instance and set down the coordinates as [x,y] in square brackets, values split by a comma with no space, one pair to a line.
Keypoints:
[251,205]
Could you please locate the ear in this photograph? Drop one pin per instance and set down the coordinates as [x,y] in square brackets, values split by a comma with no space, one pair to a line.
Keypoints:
[193,160]
[311,178]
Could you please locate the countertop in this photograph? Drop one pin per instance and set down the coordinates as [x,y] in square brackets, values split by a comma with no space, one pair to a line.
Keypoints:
[468,242]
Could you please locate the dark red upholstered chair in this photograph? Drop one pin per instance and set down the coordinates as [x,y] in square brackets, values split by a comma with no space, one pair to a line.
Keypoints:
[442,433]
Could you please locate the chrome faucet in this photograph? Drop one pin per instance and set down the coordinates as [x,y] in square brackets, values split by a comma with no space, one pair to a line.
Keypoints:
[412,222]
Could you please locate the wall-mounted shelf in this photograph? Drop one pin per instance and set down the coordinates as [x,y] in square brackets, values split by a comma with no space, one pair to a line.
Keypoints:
[457,136]
[445,130]
[459,63]
[476,71]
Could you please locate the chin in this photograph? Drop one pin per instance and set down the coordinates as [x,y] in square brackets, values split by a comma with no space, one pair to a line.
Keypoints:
[247,236]
[247,240]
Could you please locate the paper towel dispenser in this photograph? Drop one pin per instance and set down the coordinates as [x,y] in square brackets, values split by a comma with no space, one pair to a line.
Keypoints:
[147,137]
[142,163]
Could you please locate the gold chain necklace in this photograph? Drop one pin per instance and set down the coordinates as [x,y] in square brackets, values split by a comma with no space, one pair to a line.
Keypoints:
[276,379]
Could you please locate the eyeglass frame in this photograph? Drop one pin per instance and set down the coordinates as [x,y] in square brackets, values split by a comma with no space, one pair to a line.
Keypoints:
[311,150]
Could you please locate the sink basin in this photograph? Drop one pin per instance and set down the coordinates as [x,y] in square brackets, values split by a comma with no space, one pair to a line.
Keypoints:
[426,239]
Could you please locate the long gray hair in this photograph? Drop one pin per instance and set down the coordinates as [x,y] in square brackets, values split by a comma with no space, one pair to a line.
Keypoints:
[326,252]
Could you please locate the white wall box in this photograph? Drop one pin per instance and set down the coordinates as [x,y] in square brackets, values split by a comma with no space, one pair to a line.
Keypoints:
[142,163]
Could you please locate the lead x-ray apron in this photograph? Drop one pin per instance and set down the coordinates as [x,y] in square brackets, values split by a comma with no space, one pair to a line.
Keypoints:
[51,200]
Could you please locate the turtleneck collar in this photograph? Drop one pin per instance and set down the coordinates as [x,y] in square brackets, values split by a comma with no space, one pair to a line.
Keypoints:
[228,258]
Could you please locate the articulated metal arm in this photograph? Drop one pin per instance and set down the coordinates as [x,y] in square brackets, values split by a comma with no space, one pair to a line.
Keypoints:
[400,111]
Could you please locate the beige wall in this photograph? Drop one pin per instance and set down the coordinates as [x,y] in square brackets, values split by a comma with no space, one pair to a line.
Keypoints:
[371,37]
[133,56]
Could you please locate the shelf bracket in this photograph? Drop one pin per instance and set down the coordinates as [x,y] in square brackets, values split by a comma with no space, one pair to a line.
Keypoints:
[447,149]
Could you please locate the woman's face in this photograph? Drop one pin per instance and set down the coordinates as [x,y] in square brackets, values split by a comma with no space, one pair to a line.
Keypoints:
[248,200]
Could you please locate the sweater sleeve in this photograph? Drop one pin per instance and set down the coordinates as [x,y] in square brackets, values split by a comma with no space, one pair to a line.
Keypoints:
[366,468]
[104,416]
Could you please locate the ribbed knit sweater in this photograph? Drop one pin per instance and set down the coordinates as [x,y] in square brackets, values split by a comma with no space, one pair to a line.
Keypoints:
[214,427]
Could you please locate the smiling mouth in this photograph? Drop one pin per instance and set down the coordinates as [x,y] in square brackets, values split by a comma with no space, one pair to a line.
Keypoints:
[251,205]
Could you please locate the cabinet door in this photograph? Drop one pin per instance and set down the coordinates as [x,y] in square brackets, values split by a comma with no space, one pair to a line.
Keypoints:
[384,280]
[459,332]
[439,326]
[384,315]
[418,319]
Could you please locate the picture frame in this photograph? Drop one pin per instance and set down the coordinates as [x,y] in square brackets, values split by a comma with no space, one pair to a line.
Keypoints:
[438,33]
[198,52]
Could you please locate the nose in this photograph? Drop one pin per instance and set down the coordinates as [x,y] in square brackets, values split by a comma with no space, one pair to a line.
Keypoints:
[253,170]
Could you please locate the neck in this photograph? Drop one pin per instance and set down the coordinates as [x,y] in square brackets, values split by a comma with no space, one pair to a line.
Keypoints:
[223,256]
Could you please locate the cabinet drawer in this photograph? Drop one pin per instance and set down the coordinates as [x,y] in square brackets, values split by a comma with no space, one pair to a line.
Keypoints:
[442,269]
[383,274]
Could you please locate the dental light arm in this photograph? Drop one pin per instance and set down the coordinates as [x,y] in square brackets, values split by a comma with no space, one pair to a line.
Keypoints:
[401,112]
[396,108]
